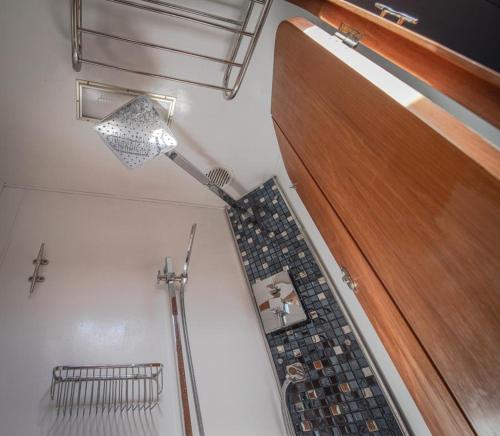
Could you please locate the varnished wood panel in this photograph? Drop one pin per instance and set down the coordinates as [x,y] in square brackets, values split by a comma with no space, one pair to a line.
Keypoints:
[470,142]
[440,410]
[470,84]
[425,215]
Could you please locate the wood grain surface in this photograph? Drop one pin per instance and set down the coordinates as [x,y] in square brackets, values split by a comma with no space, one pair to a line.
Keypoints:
[472,85]
[425,216]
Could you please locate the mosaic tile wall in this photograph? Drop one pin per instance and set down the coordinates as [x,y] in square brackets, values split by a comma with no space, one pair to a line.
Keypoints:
[340,395]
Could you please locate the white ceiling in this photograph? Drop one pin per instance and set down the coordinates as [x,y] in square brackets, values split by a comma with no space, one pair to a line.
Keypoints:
[42,144]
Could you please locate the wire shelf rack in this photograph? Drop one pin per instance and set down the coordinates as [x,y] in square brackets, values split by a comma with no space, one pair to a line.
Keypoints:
[106,388]
[234,71]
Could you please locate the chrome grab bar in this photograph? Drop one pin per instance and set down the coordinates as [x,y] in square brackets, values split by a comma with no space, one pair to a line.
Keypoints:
[38,262]
[401,16]
[239,28]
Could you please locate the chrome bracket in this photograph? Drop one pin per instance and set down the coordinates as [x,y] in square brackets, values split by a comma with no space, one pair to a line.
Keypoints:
[168,275]
[38,262]
[168,278]
[348,35]
[401,17]
[348,280]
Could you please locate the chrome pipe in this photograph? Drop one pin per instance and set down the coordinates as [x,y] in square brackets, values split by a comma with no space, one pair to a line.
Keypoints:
[187,166]
[284,409]
[294,374]
[159,76]
[76,37]
[189,359]
[194,12]
[159,47]
[229,95]
[237,44]
[181,16]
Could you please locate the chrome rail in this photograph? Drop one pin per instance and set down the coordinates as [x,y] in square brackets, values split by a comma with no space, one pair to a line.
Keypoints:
[172,279]
[237,27]
[38,262]
[185,332]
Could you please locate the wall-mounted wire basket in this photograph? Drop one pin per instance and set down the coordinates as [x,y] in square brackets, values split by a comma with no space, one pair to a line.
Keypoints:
[106,388]
[244,42]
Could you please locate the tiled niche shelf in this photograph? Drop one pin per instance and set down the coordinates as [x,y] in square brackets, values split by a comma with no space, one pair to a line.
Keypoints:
[341,395]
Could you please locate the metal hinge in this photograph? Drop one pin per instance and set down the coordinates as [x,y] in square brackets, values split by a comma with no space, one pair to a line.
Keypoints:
[348,280]
[348,35]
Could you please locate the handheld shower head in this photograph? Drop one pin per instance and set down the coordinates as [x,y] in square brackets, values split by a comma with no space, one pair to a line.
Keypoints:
[188,253]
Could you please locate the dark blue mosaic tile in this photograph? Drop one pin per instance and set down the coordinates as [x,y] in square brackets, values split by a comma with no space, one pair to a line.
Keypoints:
[340,395]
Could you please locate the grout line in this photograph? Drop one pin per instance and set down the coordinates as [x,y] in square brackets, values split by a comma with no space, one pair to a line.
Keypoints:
[112,196]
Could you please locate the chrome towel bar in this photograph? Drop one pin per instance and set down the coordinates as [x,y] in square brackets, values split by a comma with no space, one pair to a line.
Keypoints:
[231,80]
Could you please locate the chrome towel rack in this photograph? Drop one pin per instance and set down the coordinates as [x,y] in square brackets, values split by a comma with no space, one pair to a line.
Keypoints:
[240,29]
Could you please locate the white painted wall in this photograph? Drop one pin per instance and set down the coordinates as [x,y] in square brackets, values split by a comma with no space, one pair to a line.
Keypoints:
[100,304]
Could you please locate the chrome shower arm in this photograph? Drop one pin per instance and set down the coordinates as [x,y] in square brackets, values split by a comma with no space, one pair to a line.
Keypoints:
[187,166]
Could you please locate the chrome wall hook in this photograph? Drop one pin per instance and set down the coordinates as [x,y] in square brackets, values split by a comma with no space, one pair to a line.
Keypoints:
[38,262]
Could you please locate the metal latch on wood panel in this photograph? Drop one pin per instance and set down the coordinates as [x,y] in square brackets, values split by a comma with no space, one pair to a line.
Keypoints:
[401,17]
[348,35]
[348,280]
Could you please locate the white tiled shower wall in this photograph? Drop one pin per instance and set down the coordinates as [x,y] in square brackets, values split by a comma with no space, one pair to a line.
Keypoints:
[100,304]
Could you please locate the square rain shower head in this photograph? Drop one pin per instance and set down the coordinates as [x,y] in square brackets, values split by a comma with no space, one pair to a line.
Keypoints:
[137,132]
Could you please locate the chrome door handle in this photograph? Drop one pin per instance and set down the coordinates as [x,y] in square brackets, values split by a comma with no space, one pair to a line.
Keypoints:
[402,18]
